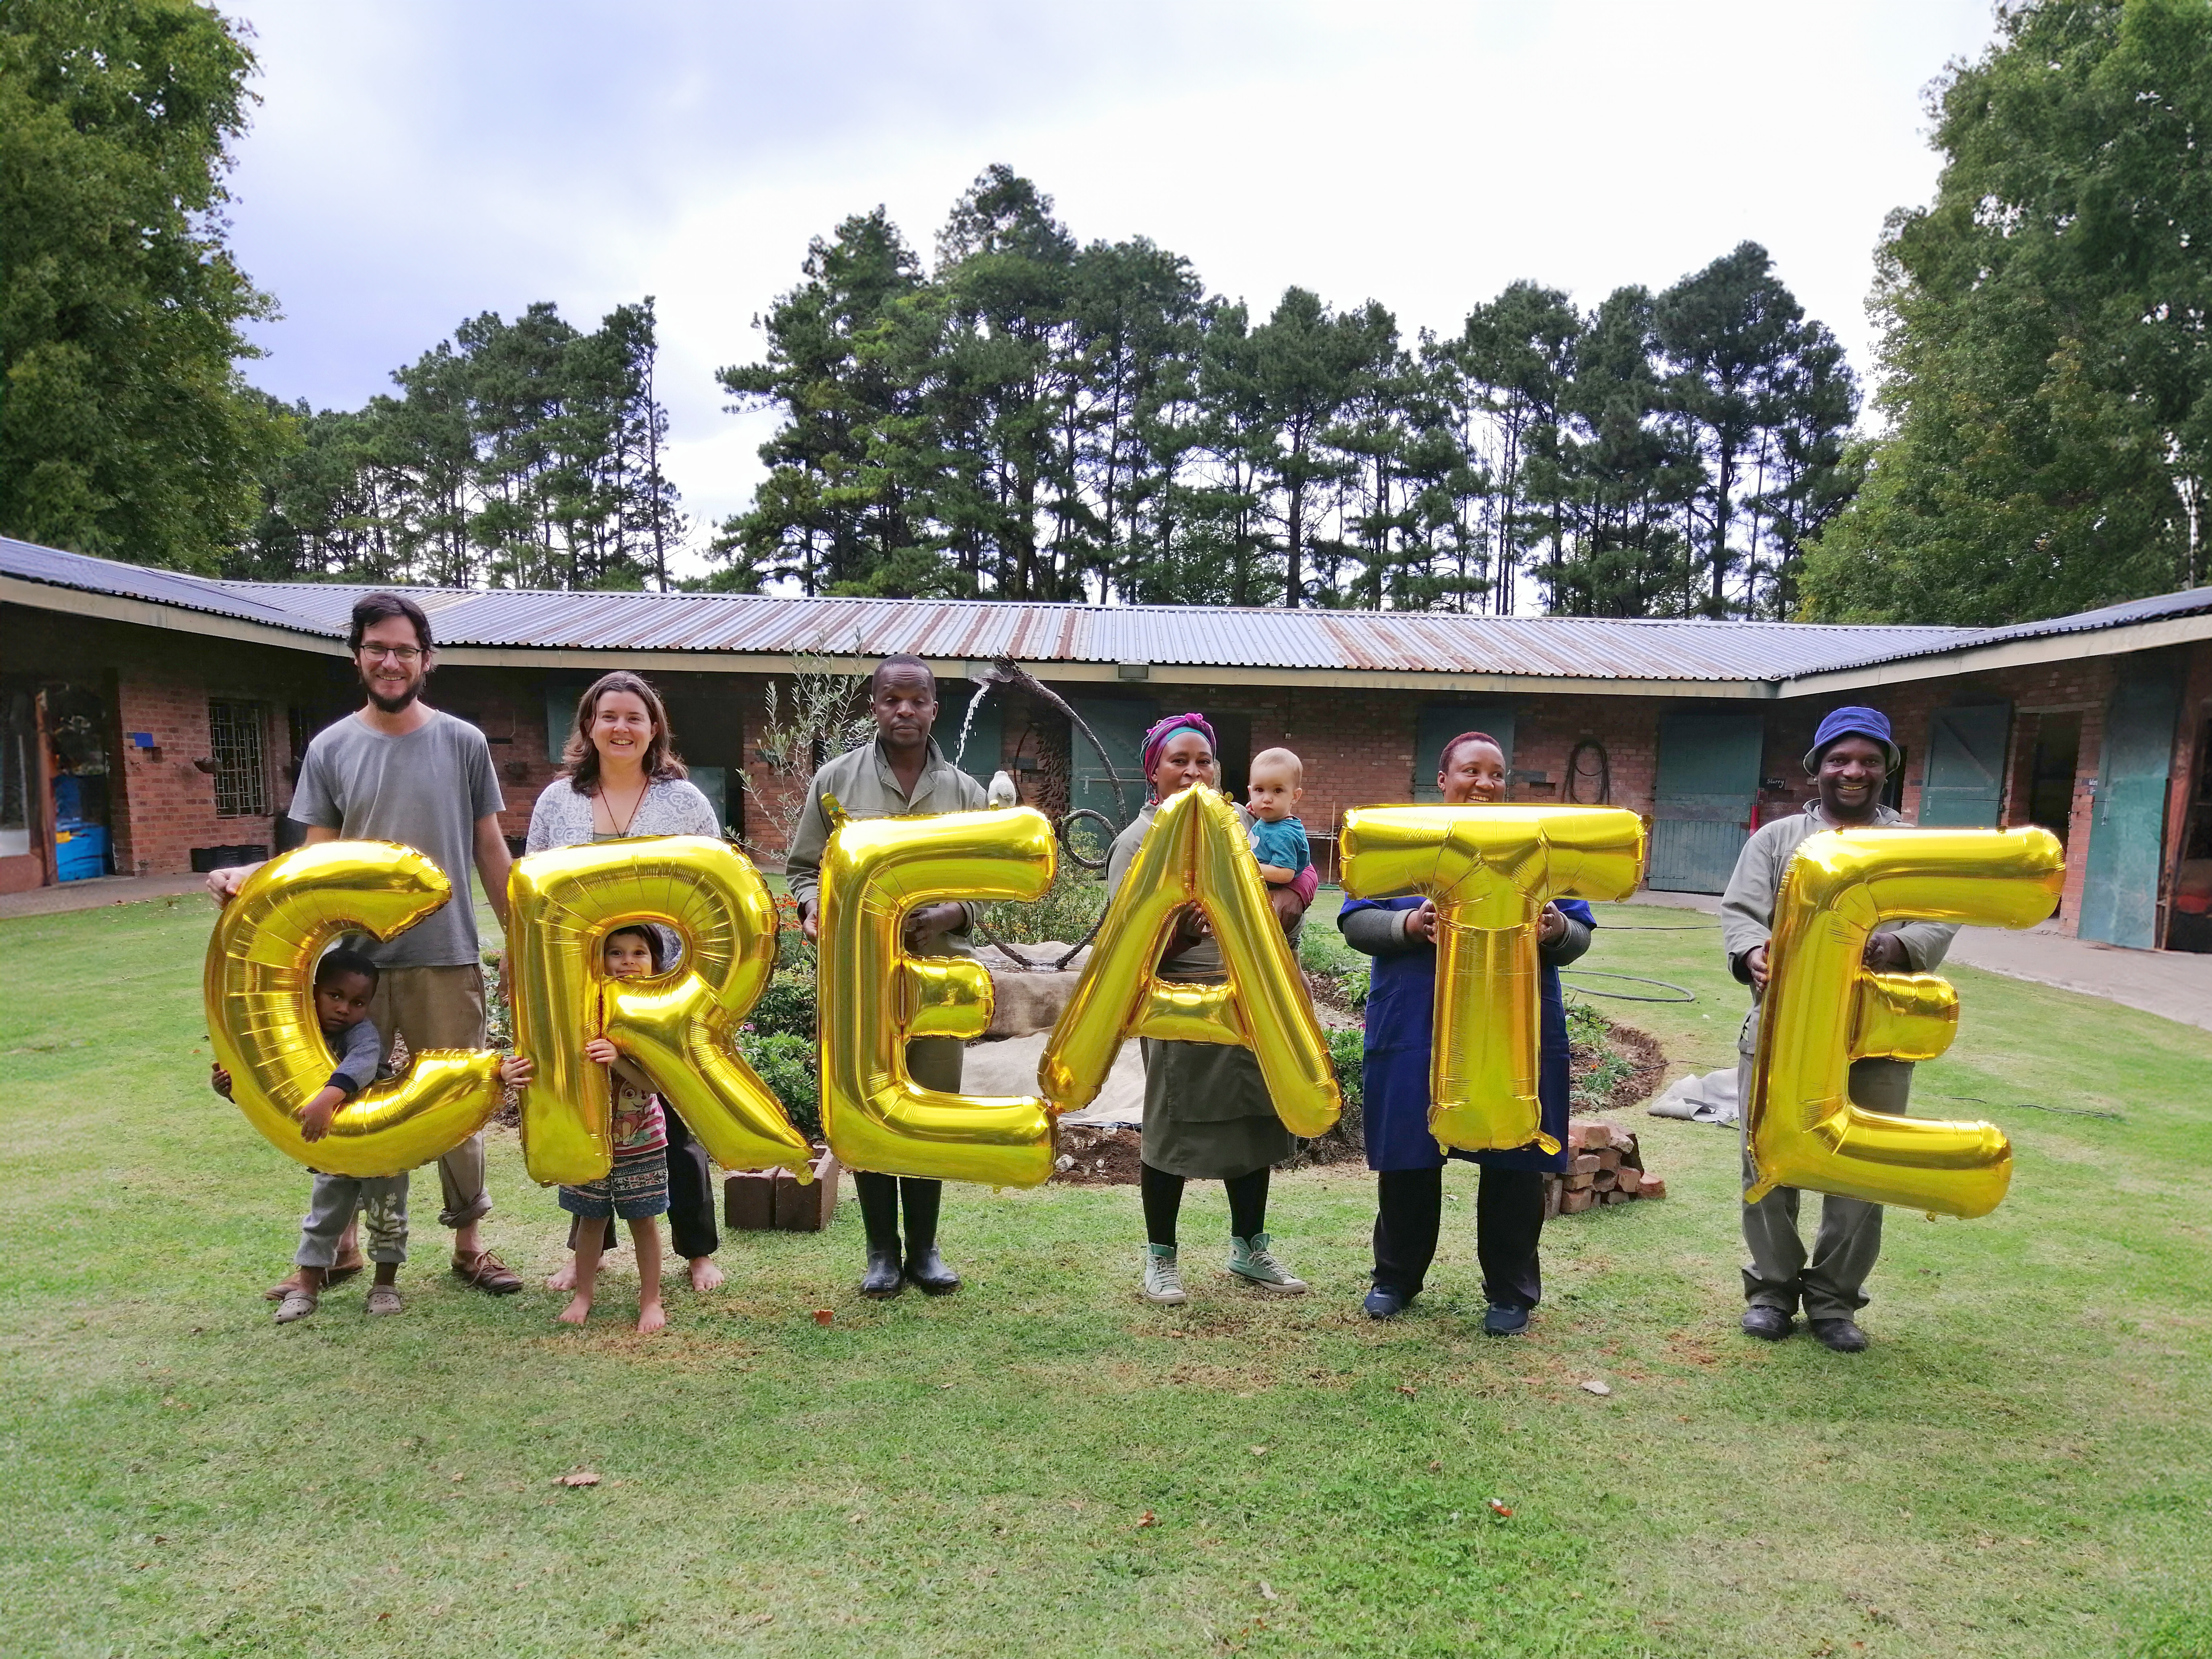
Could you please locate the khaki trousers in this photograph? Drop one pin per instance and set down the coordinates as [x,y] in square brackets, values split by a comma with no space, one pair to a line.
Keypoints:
[1830,1283]
[440,1008]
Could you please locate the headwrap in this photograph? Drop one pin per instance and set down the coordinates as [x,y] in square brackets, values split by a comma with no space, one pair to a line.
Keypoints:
[1156,740]
[1853,722]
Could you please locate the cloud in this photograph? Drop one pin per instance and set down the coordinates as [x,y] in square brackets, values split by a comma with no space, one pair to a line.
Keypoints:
[414,164]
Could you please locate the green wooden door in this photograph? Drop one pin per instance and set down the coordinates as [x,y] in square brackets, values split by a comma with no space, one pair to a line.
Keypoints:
[2127,826]
[1440,722]
[1701,809]
[1964,785]
[1119,723]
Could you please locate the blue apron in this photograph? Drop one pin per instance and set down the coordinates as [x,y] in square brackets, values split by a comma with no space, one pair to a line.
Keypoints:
[1401,1016]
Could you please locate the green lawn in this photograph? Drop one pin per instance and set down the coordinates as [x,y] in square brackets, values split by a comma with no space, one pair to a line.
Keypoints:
[1041,1463]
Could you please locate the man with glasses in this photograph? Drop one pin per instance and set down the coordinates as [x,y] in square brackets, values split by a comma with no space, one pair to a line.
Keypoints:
[397,770]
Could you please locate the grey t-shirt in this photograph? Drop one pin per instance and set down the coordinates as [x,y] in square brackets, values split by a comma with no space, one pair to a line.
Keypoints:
[425,790]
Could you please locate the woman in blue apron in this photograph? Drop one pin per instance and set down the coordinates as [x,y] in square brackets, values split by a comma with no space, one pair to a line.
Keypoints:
[1399,933]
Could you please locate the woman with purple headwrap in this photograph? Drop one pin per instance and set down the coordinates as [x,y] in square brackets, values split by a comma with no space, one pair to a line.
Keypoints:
[1207,1114]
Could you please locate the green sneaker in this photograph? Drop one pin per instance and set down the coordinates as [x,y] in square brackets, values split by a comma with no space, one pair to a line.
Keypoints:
[1249,1260]
[1162,1283]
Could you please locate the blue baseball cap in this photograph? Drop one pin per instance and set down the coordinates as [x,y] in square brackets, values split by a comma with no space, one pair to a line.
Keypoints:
[1853,722]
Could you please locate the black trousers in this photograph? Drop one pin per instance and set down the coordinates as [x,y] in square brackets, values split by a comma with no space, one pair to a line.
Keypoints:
[691,1229]
[880,1196]
[1509,1221]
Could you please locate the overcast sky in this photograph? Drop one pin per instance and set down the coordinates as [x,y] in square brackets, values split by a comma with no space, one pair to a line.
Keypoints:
[414,164]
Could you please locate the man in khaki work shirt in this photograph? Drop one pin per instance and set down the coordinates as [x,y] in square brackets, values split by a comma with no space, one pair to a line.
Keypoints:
[901,774]
[1851,755]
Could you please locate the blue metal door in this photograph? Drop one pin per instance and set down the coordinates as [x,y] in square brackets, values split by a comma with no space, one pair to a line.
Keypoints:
[1440,723]
[1701,811]
[1964,785]
[2127,827]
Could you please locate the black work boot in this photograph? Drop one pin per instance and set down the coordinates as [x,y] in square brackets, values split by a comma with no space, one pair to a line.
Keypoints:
[1767,1324]
[883,1278]
[923,1265]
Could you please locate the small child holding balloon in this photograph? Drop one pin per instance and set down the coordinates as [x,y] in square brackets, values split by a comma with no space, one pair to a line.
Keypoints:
[345,984]
[636,1188]
[1271,793]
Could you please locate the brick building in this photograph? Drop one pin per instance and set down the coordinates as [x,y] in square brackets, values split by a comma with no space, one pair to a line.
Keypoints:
[151,722]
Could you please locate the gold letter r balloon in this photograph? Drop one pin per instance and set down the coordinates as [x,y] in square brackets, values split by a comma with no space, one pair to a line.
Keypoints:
[678,1027]
[1825,1009]
[1489,869]
[260,1003]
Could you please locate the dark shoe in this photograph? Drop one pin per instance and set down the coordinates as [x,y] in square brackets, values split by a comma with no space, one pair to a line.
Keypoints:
[1838,1335]
[1504,1322]
[1384,1302]
[1767,1324]
[487,1273]
[883,1278]
[927,1270]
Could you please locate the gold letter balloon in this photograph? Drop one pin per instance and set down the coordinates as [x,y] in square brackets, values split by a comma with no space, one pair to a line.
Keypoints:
[1824,1009]
[678,1026]
[258,989]
[1195,853]
[875,995]
[1490,871]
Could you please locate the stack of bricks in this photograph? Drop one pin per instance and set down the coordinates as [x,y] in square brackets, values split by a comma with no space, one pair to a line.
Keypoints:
[1604,1166]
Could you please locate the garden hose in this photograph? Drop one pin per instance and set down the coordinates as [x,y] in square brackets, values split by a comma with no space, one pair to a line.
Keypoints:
[1687,994]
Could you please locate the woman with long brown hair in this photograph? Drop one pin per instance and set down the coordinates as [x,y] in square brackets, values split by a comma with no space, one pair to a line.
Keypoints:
[621,776]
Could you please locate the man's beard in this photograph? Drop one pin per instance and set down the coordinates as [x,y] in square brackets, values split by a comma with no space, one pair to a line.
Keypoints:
[393,705]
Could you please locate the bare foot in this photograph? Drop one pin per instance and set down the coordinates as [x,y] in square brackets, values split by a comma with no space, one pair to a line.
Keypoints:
[705,1275]
[562,1278]
[650,1318]
[573,1314]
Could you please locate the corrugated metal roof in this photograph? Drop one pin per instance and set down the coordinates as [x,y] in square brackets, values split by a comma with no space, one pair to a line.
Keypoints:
[1573,647]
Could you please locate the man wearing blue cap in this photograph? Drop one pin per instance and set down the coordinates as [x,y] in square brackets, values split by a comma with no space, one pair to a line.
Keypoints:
[1852,755]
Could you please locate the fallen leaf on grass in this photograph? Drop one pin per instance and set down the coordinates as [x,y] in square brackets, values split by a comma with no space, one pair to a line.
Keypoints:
[579,1478]
[1499,1506]
[1148,1519]
[460,1477]
[1593,1386]
[1268,1590]
[1436,1466]
[1259,1451]
[1408,1389]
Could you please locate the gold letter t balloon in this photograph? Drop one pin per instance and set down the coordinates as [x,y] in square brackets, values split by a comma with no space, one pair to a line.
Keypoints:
[1825,1009]
[1490,871]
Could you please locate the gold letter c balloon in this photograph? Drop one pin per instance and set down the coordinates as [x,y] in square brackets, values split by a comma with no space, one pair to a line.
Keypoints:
[258,989]
[677,1026]
[875,995]
[1489,869]
[1825,1009]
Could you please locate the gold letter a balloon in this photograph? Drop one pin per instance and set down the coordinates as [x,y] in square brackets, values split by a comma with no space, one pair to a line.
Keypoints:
[260,994]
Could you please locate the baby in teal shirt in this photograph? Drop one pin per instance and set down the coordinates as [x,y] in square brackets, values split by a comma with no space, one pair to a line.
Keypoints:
[1279,840]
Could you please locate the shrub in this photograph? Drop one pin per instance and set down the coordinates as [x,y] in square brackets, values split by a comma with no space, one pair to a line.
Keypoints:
[786,1063]
[1071,907]
[787,1007]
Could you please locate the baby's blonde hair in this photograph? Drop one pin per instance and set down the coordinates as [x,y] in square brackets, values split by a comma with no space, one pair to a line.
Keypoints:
[1285,759]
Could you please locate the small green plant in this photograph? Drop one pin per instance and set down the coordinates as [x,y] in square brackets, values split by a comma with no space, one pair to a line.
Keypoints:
[1597,1063]
[786,1063]
[787,1007]
[1071,907]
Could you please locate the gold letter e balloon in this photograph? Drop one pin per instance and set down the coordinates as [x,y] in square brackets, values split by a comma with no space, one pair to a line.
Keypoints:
[1825,1009]
[259,995]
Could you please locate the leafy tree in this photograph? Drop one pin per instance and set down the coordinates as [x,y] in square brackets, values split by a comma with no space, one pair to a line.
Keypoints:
[2044,333]
[126,430]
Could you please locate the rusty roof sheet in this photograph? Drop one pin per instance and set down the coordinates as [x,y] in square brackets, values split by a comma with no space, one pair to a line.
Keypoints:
[1352,641]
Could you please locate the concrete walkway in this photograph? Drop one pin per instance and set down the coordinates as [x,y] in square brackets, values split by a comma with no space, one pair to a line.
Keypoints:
[95,892]
[2176,985]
